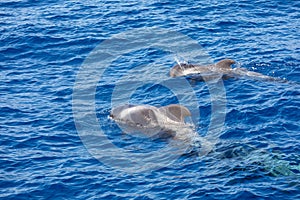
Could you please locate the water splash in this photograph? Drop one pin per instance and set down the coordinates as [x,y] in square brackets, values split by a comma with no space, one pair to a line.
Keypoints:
[179,62]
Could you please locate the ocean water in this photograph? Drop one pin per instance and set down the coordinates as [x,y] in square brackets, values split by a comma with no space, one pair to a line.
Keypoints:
[65,64]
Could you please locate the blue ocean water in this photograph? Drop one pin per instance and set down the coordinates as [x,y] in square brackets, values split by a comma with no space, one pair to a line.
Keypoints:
[44,46]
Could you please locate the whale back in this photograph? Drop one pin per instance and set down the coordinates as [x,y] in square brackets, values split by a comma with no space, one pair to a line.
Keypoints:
[183,69]
[225,64]
[175,112]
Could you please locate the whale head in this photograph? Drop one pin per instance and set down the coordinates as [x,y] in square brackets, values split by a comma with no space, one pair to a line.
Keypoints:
[142,115]
[178,70]
[149,119]
[146,114]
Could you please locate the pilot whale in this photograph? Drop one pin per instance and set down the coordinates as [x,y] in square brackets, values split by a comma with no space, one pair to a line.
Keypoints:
[221,69]
[151,121]
[162,122]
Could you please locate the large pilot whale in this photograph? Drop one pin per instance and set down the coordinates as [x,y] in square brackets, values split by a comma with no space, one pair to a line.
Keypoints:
[163,122]
[221,69]
[169,121]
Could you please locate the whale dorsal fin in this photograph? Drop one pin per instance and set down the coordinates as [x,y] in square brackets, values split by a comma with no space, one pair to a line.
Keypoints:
[225,64]
[176,112]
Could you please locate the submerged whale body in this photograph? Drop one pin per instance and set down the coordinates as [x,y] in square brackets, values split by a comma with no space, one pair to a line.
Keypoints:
[222,69]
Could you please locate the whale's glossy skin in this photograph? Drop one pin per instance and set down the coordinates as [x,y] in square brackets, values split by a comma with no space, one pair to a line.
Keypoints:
[150,120]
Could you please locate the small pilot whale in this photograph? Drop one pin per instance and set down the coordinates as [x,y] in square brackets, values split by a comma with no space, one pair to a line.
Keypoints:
[221,69]
[163,122]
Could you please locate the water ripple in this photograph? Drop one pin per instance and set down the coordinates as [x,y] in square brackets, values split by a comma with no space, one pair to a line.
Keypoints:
[45,43]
